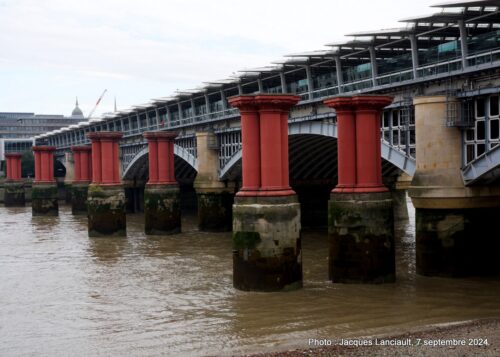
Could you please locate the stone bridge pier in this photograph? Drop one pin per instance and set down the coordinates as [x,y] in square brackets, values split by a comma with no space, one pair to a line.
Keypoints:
[44,196]
[456,225]
[82,171]
[106,196]
[360,212]
[215,198]
[67,182]
[162,209]
[13,186]
[266,214]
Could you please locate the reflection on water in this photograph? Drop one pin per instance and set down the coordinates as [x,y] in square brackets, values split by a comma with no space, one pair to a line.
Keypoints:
[62,292]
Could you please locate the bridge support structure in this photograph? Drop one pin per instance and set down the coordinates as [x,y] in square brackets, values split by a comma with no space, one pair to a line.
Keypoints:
[455,224]
[106,196]
[399,191]
[82,159]
[215,198]
[13,186]
[266,213]
[162,209]
[360,210]
[44,195]
[69,177]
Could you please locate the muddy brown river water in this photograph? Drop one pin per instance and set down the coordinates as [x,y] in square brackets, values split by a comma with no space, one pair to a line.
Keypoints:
[62,293]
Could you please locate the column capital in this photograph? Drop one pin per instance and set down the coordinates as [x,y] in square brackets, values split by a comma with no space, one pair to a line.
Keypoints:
[273,102]
[340,103]
[359,102]
[13,155]
[109,135]
[251,102]
[44,148]
[160,135]
[244,102]
[81,148]
[371,102]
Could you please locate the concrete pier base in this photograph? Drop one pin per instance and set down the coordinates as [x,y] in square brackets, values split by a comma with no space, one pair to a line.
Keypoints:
[106,210]
[266,243]
[457,242]
[44,199]
[215,211]
[79,198]
[162,209]
[14,194]
[2,192]
[361,234]
[400,205]
[68,192]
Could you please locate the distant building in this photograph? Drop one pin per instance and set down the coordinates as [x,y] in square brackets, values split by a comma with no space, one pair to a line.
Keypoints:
[28,125]
[17,129]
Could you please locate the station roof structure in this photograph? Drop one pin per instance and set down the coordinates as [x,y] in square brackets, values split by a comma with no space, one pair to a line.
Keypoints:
[478,16]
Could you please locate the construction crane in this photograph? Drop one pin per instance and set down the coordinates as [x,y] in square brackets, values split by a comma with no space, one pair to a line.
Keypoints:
[96,104]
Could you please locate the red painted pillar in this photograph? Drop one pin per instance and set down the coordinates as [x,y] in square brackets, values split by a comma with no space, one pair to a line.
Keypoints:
[152,159]
[96,161]
[161,157]
[270,147]
[368,158]
[44,164]
[266,205]
[13,166]
[82,159]
[346,143]
[105,158]
[285,176]
[264,131]
[358,143]
[250,140]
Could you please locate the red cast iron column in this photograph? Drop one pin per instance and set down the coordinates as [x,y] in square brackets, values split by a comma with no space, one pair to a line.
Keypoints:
[161,157]
[346,143]
[105,161]
[266,212]
[250,141]
[82,159]
[13,166]
[162,213]
[368,161]
[44,193]
[264,132]
[44,163]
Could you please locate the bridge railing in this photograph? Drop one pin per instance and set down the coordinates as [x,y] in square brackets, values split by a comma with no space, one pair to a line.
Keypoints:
[476,61]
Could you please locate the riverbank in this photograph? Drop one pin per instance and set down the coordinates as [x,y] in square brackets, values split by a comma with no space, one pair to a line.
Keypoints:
[470,338]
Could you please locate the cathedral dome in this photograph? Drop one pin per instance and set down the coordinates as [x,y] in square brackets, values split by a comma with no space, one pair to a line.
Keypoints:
[77,112]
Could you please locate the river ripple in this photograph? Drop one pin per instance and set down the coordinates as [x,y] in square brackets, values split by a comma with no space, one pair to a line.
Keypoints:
[63,293]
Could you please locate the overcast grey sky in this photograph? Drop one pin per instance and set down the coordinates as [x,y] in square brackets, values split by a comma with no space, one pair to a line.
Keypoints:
[54,50]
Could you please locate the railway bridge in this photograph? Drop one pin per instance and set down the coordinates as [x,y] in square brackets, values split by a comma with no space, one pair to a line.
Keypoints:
[438,137]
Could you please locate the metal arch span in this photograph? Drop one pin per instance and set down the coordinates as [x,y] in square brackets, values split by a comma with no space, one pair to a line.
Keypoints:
[486,168]
[398,159]
[186,156]
[178,151]
[390,154]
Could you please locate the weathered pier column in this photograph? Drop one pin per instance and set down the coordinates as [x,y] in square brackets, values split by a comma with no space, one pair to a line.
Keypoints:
[266,212]
[456,226]
[215,198]
[13,186]
[399,192]
[82,160]
[44,194]
[162,209]
[67,184]
[106,196]
[360,212]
